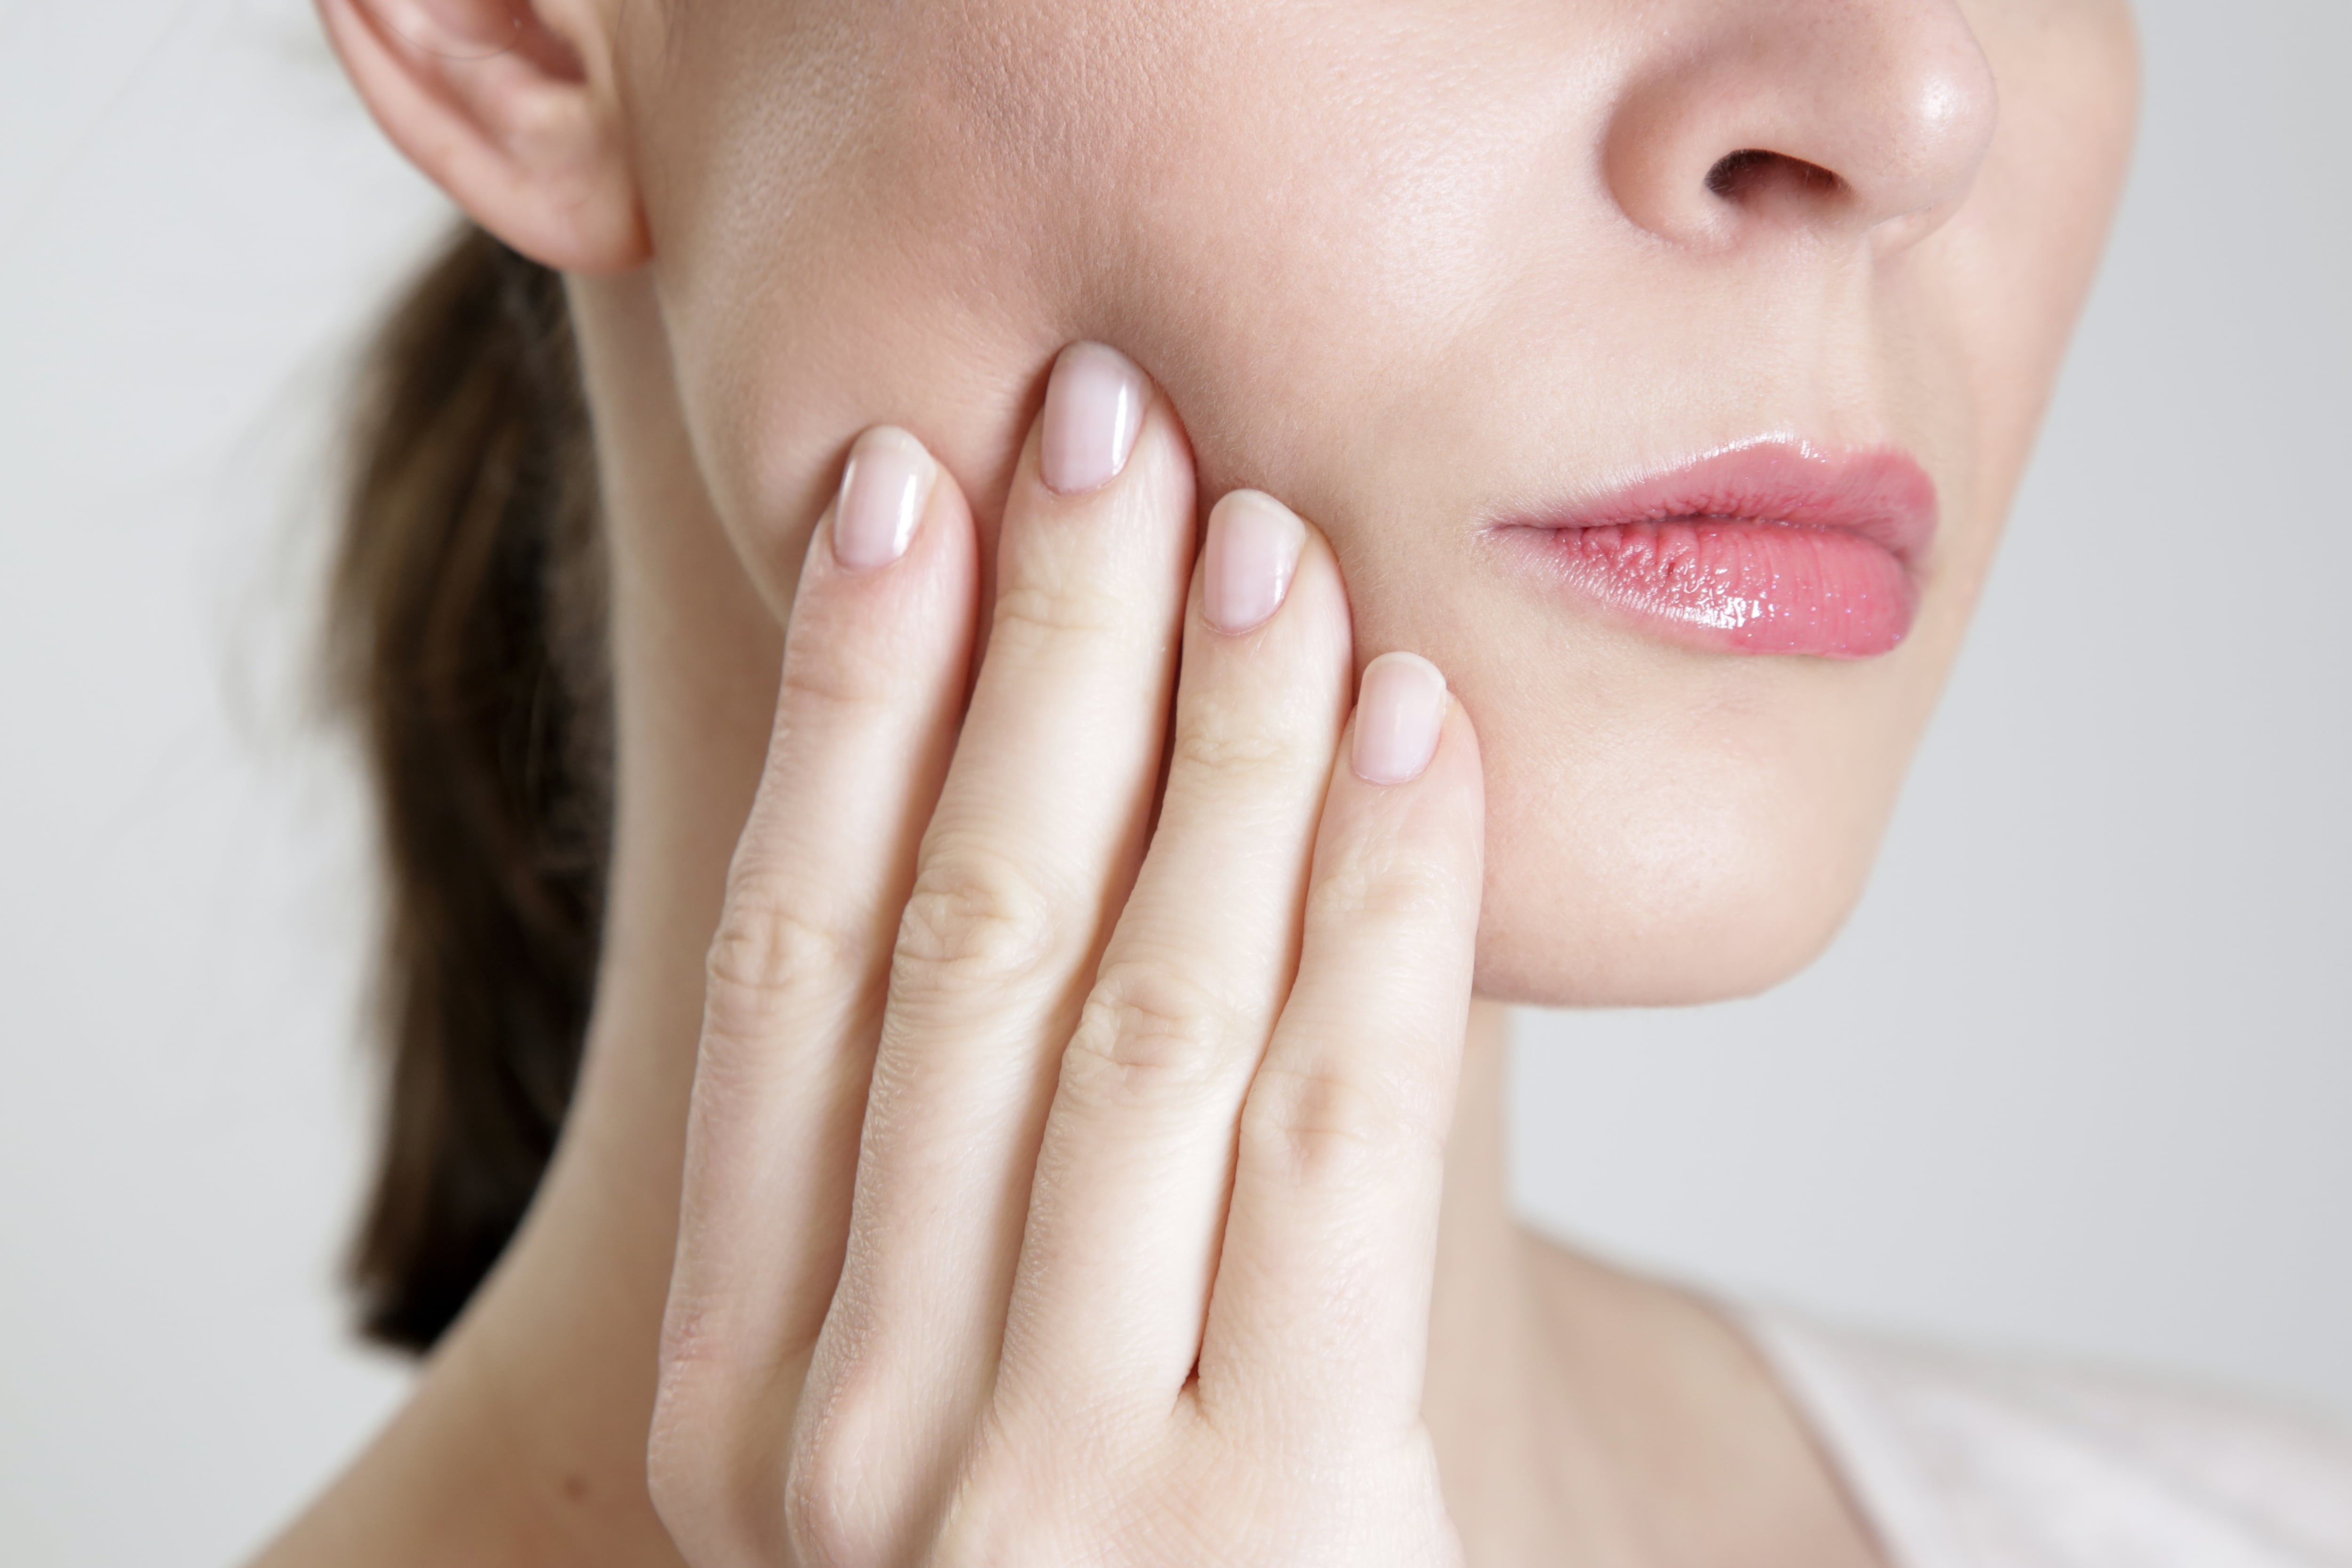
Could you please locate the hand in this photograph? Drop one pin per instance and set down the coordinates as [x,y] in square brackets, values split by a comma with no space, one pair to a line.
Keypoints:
[1063,1183]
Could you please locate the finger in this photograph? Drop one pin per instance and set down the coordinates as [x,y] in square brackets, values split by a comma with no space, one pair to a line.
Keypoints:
[1036,839]
[874,674]
[1321,1304]
[1136,1163]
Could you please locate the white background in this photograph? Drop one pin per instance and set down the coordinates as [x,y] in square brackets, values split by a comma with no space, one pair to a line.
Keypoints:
[2077,1080]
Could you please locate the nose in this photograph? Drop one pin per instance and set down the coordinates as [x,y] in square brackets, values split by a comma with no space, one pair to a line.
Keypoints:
[1845,116]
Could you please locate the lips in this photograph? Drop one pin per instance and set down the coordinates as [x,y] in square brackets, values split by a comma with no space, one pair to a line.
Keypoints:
[1769,547]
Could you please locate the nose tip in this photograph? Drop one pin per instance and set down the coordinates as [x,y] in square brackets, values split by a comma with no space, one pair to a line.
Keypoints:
[1868,115]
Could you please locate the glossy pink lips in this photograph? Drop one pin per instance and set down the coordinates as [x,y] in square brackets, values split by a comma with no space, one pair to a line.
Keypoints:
[1775,547]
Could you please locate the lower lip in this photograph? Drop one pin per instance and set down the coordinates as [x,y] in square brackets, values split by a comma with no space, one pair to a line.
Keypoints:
[1731,585]
[1772,546]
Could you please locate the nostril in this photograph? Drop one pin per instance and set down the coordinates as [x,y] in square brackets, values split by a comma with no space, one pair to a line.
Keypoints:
[1752,172]
[1836,118]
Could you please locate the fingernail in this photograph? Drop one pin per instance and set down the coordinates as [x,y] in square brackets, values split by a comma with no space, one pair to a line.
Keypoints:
[1246,566]
[1398,714]
[1094,407]
[883,494]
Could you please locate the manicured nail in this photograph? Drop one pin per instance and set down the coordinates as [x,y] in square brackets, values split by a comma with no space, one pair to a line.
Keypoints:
[1398,714]
[1094,407]
[1246,564]
[883,493]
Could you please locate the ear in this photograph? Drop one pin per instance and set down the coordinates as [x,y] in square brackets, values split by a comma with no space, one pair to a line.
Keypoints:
[511,107]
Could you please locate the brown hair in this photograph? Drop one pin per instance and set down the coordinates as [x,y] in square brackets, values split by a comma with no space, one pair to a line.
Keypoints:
[464,648]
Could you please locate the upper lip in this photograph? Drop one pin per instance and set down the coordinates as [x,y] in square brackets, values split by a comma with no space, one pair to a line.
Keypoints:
[1877,492]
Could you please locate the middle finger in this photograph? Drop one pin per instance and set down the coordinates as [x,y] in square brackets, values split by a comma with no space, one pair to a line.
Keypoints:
[1031,851]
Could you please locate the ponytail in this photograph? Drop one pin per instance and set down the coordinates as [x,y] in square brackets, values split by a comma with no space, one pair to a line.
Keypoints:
[465,648]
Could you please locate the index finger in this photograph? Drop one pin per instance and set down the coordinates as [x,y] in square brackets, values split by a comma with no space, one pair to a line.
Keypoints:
[873,678]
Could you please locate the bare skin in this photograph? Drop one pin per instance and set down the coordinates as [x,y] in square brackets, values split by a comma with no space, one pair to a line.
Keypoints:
[1473,1393]
[1576,1413]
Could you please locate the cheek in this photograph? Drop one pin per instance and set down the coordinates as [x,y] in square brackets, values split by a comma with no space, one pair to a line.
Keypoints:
[832,254]
[810,349]
[911,241]
[1394,328]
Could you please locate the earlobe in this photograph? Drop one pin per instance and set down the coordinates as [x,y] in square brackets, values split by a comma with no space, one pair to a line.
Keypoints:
[510,106]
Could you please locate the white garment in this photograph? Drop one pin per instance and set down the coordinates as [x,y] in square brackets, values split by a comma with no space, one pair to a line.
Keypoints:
[1960,1463]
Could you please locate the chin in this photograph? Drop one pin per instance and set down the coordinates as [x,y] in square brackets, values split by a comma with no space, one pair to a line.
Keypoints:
[1717,889]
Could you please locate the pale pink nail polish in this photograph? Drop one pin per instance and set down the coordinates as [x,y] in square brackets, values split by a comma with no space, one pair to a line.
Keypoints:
[1249,558]
[1094,407]
[883,493]
[1399,711]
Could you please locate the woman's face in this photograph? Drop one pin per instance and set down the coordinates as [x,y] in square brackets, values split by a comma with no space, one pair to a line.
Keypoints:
[1446,276]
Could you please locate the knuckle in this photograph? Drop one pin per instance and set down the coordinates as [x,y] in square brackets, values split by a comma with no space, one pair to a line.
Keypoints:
[1317,1126]
[766,966]
[828,1520]
[1215,739]
[1383,884]
[1148,1029]
[679,1475]
[835,668]
[974,918]
[820,1518]
[768,945]
[1036,612]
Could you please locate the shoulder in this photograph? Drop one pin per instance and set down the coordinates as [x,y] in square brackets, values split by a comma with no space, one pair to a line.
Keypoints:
[1968,1462]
